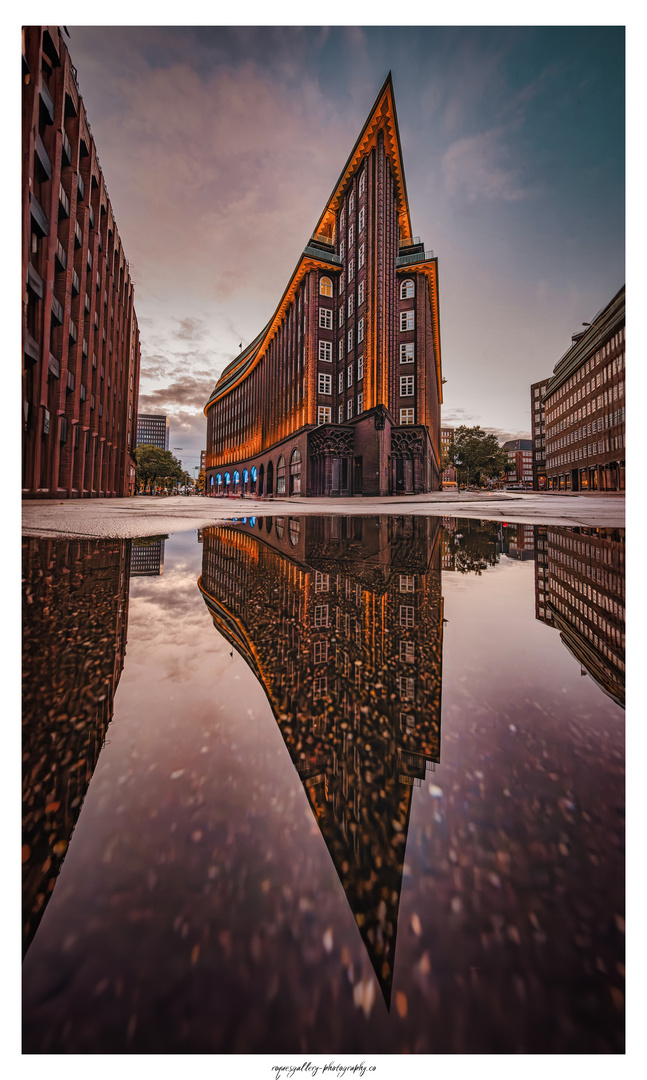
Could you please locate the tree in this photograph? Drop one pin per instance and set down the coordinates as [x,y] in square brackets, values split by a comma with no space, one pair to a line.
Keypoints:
[200,481]
[155,466]
[476,456]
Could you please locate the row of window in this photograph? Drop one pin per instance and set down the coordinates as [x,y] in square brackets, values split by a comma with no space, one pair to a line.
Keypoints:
[324,386]
[324,412]
[407,287]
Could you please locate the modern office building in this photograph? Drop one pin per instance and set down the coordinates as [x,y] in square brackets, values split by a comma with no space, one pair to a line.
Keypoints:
[584,407]
[341,621]
[153,430]
[340,392]
[538,421]
[520,468]
[446,439]
[147,557]
[80,338]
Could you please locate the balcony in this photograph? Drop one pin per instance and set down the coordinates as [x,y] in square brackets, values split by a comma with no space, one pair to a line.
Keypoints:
[76,284]
[57,312]
[74,333]
[47,105]
[66,148]
[54,367]
[45,165]
[31,348]
[86,304]
[69,389]
[326,254]
[34,282]
[80,186]
[63,202]
[409,241]
[78,235]
[409,260]
[39,217]
[61,257]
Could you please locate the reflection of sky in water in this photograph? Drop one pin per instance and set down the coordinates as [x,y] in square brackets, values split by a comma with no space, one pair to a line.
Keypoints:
[198,909]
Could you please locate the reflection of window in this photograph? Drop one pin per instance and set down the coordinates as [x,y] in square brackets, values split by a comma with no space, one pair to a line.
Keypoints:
[407,615]
[407,651]
[319,687]
[294,531]
[407,688]
[320,652]
[280,476]
[279,528]
[407,583]
[321,615]
[407,721]
[322,581]
[325,286]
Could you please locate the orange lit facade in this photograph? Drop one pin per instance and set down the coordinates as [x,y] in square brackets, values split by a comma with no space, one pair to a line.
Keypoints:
[340,392]
[79,329]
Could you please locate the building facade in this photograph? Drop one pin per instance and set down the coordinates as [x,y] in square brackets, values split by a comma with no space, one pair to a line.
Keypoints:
[584,407]
[446,440]
[340,392]
[80,336]
[153,430]
[538,421]
[520,468]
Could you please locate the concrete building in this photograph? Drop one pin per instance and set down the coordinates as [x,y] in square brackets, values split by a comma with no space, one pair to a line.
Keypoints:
[153,430]
[520,455]
[446,439]
[340,392]
[538,420]
[80,377]
[584,407]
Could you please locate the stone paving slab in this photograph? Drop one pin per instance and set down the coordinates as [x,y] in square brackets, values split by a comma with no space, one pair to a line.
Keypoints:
[154,515]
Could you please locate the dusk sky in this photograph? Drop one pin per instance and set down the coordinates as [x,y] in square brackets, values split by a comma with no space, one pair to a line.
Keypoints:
[220,146]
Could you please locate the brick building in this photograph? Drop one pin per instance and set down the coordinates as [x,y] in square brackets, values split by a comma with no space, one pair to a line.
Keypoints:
[80,336]
[538,421]
[153,430]
[446,439]
[584,407]
[340,392]
[520,468]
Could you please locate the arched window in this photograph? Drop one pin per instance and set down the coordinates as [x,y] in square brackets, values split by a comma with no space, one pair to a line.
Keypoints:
[254,473]
[280,476]
[261,481]
[227,479]
[295,473]
[294,530]
[219,481]
[270,479]
[268,521]
[236,479]
[325,286]
[279,527]
[407,289]
[245,476]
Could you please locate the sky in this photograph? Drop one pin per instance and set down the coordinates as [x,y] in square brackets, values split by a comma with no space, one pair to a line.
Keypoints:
[220,146]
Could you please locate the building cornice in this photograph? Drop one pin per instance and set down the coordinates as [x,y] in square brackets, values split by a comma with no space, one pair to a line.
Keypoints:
[605,322]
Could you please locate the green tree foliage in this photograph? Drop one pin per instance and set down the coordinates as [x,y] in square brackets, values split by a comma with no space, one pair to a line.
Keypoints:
[200,481]
[156,468]
[476,456]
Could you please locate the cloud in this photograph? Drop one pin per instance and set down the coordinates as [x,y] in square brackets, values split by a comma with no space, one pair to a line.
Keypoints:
[186,393]
[473,167]
[191,328]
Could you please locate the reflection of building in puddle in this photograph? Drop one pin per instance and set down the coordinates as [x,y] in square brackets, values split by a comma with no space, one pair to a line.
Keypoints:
[75,614]
[147,557]
[519,541]
[580,589]
[470,546]
[341,621]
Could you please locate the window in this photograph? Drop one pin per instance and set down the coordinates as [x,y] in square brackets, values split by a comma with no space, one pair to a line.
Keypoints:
[407,688]
[406,353]
[407,615]
[325,383]
[362,184]
[361,219]
[360,293]
[341,283]
[349,408]
[321,615]
[325,318]
[360,403]
[407,416]
[351,236]
[360,257]
[407,320]
[349,375]
[351,270]
[351,301]
[341,348]
[341,249]
[341,315]
[341,382]
[325,286]
[280,478]
[360,367]
[350,340]
[323,414]
[407,289]
[325,351]
[360,331]
[406,386]
[340,411]
[351,202]
[341,221]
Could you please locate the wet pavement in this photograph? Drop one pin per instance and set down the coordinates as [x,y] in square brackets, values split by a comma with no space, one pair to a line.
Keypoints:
[323,784]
